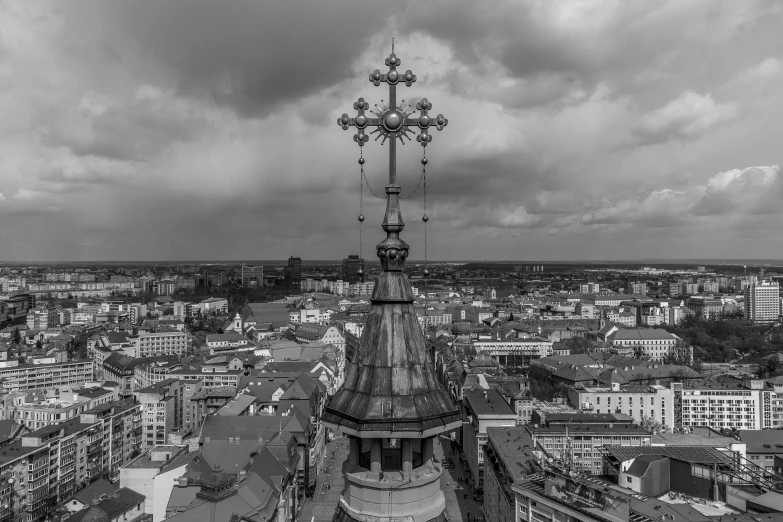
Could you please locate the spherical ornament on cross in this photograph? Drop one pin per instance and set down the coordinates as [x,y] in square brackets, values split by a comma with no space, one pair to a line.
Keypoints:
[392,121]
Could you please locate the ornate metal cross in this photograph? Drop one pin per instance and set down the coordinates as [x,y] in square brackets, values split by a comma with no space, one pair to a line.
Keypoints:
[393,122]
[390,120]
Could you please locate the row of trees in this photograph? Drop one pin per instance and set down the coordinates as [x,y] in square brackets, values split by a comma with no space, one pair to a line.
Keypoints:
[727,339]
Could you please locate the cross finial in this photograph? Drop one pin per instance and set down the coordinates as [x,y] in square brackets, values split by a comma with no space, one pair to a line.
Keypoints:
[393,121]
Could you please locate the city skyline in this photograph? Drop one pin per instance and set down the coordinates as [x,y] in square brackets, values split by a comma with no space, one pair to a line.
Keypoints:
[191,130]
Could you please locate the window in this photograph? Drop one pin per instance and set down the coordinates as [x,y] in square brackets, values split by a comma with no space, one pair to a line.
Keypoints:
[628,479]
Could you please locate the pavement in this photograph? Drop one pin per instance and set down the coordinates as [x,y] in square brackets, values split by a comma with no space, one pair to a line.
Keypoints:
[457,506]
[329,484]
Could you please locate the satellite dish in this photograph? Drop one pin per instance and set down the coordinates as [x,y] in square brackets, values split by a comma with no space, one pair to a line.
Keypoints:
[550,460]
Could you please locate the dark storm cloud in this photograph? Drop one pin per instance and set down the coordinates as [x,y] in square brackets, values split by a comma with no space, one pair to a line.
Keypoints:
[248,54]
[182,129]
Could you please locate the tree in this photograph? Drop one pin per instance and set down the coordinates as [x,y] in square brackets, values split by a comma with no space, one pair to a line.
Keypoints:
[653,426]
[770,367]
[580,344]
[681,354]
[38,345]
[16,337]
[639,353]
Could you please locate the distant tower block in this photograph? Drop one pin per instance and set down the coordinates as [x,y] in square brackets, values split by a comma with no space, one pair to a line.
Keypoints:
[391,405]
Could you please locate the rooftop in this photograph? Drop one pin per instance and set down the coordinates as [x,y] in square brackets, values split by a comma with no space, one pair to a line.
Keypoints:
[15,450]
[237,405]
[762,441]
[588,430]
[692,454]
[145,459]
[515,447]
[642,334]
[488,403]
[701,436]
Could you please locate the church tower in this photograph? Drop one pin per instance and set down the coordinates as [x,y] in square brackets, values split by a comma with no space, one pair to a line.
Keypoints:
[391,406]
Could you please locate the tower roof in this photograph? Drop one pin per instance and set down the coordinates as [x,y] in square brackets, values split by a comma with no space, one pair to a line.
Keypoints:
[390,387]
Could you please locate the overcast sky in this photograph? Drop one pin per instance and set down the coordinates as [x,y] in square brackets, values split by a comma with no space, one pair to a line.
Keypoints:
[202,129]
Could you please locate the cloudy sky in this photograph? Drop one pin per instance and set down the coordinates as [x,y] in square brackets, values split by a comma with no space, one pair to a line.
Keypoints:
[201,129]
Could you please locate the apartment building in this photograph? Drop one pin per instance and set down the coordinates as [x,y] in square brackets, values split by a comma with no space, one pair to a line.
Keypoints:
[637,288]
[151,344]
[209,376]
[24,377]
[162,411]
[52,462]
[689,288]
[638,402]
[193,410]
[577,438]
[365,288]
[743,406]
[339,287]
[150,371]
[213,305]
[483,409]
[26,497]
[710,287]
[508,459]
[122,430]
[42,318]
[39,408]
[762,302]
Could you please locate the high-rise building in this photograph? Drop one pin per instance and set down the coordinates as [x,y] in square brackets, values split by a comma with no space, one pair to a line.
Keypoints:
[162,411]
[293,271]
[762,302]
[252,275]
[351,266]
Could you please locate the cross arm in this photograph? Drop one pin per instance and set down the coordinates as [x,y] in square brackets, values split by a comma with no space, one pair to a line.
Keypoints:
[424,121]
[360,121]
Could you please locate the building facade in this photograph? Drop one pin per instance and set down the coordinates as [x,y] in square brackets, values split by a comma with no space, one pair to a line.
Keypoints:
[762,302]
[162,411]
[639,402]
[152,344]
[483,409]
